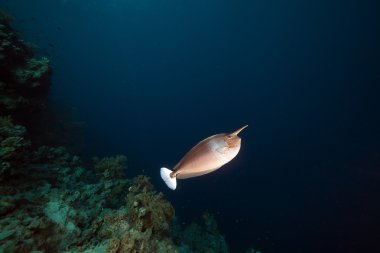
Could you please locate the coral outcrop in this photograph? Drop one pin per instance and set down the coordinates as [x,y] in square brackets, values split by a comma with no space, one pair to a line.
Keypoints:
[141,225]
[13,146]
[203,238]
[110,167]
[24,79]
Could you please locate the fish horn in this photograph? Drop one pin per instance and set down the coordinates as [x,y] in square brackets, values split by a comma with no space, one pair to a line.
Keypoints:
[237,131]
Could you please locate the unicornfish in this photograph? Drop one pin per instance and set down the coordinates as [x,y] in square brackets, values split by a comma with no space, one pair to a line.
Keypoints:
[207,156]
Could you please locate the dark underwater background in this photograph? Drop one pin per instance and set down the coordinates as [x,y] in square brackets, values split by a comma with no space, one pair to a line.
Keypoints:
[149,79]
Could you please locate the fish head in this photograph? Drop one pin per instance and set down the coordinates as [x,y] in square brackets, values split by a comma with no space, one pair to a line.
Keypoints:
[232,139]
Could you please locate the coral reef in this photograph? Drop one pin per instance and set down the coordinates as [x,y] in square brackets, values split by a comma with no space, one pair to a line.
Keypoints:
[142,225]
[110,167]
[24,80]
[49,201]
[67,212]
[202,238]
[13,146]
[148,210]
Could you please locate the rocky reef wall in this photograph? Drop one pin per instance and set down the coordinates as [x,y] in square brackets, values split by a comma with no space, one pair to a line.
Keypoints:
[25,79]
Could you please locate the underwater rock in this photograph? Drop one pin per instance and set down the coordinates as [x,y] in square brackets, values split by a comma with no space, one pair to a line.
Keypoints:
[110,167]
[24,80]
[55,155]
[52,213]
[148,209]
[34,73]
[202,238]
[13,147]
[129,229]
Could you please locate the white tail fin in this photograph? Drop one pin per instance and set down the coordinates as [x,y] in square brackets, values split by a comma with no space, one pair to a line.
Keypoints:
[171,182]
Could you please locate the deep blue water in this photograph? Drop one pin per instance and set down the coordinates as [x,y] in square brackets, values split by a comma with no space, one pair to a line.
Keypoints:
[152,78]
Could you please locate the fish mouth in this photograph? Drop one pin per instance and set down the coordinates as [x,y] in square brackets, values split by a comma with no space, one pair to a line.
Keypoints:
[236,132]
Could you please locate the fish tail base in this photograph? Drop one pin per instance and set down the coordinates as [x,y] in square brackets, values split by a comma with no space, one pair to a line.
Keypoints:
[171,182]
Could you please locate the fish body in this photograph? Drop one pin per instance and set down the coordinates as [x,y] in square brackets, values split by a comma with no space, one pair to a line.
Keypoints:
[207,156]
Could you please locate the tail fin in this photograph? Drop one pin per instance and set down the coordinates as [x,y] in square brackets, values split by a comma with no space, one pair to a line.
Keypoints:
[169,181]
